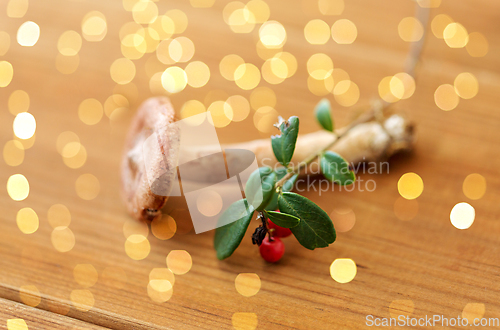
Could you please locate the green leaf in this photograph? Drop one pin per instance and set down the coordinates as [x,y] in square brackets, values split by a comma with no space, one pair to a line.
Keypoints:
[282,219]
[284,144]
[287,186]
[323,113]
[336,169]
[227,238]
[260,187]
[315,229]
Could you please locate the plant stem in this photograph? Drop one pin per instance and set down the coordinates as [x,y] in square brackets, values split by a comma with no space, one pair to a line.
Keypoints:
[422,14]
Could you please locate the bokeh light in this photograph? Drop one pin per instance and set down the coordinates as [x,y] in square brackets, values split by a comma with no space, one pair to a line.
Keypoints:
[192,108]
[346,93]
[343,270]
[179,18]
[474,186]
[174,79]
[62,239]
[28,34]
[344,32]
[410,185]
[133,227]
[462,215]
[320,66]
[67,64]
[240,107]
[19,101]
[85,275]
[181,49]
[478,45]
[18,187]
[241,20]
[264,118]
[164,227]
[446,97]
[17,8]
[27,220]
[343,219]
[247,76]
[30,295]
[331,7]
[259,9]
[16,324]
[410,29]
[6,73]
[160,286]
[83,300]
[64,138]
[69,43]
[266,53]
[24,125]
[455,35]
[320,87]
[94,26]
[4,43]
[79,158]
[209,202]
[58,215]
[122,71]
[116,106]
[391,89]
[408,83]
[137,247]
[247,284]
[13,153]
[276,75]
[272,34]
[229,64]
[28,143]
[198,74]
[439,23]
[466,85]
[262,96]
[145,12]
[473,312]
[87,186]
[162,274]
[317,32]
[244,321]
[179,262]
[90,111]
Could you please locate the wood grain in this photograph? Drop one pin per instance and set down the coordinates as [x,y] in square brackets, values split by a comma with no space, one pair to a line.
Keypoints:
[426,260]
[39,319]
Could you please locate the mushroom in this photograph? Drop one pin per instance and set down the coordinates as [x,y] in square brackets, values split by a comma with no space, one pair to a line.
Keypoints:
[369,138]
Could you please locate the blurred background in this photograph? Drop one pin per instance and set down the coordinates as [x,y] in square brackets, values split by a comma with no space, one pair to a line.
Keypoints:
[72,74]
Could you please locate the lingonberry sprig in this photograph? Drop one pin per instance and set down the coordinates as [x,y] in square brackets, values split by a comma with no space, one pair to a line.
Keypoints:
[280,211]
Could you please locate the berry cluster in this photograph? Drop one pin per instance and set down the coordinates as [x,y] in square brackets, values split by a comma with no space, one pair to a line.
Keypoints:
[271,247]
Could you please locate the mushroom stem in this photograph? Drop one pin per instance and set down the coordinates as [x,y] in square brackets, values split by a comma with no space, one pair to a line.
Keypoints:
[366,141]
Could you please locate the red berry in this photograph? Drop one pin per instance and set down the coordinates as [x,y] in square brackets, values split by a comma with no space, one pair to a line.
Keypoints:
[279,231]
[272,251]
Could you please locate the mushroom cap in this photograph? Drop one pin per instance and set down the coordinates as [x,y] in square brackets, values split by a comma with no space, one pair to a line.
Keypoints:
[153,117]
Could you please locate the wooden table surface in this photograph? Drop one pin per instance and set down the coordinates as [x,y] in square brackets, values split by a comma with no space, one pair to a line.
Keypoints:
[426,262]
